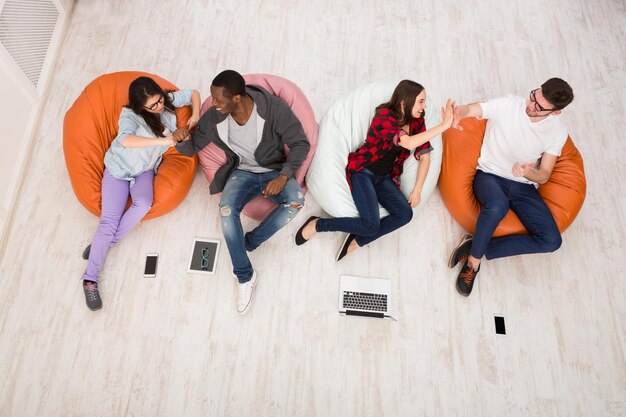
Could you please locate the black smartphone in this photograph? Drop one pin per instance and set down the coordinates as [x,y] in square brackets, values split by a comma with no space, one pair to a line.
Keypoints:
[149,270]
[500,329]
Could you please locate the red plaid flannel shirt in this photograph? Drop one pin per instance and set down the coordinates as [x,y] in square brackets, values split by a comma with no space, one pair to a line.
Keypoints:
[384,133]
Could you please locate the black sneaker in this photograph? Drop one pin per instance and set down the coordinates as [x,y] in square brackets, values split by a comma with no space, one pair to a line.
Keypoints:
[86,253]
[461,252]
[92,296]
[465,280]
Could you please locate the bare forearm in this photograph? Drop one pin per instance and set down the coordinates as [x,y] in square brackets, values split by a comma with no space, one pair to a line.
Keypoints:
[133,141]
[422,171]
[412,142]
[469,110]
[195,103]
[537,175]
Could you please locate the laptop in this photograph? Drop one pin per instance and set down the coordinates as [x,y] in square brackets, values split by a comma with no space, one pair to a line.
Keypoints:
[366,297]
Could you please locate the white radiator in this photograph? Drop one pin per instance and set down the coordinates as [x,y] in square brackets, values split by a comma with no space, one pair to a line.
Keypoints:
[30,34]
[26,32]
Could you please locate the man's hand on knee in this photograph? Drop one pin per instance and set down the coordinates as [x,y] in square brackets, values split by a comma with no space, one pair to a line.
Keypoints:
[276,185]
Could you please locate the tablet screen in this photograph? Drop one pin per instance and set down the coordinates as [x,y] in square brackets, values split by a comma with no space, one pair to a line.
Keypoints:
[204,256]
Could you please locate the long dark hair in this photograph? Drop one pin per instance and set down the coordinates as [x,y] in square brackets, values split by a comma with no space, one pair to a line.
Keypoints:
[139,91]
[406,91]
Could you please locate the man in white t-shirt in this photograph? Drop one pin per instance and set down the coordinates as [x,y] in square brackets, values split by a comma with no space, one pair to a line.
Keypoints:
[523,140]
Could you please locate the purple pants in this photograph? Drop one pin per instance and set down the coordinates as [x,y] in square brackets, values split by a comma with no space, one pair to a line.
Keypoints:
[114,222]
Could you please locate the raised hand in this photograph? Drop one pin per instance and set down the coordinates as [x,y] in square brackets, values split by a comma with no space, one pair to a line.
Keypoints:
[456,123]
[447,114]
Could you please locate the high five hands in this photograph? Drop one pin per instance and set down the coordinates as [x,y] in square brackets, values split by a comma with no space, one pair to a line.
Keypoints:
[457,118]
[447,114]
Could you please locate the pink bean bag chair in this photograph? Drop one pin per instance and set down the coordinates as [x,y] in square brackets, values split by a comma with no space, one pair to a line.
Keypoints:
[212,157]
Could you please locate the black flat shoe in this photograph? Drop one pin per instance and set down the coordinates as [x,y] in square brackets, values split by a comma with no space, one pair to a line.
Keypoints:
[300,240]
[86,253]
[344,248]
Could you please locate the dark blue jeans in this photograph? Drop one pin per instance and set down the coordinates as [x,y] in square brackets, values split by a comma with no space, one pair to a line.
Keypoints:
[369,189]
[496,195]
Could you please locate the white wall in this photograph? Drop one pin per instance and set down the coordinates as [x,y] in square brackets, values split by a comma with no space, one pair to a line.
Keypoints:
[19,114]
[16,122]
[66,5]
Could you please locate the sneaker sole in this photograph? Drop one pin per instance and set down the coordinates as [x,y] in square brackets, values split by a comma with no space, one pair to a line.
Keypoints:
[94,309]
[461,292]
[461,242]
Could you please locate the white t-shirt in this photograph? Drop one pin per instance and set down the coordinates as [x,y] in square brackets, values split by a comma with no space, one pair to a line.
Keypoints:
[511,137]
[243,140]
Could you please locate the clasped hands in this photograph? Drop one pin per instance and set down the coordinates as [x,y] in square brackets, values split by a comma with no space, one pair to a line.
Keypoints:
[181,134]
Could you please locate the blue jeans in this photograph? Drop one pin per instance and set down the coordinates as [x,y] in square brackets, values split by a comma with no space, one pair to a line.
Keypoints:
[496,195]
[369,189]
[241,188]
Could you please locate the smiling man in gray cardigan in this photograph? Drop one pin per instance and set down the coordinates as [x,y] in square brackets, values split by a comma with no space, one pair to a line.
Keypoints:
[252,127]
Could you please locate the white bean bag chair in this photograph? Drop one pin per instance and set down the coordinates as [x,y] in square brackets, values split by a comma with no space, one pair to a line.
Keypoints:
[342,130]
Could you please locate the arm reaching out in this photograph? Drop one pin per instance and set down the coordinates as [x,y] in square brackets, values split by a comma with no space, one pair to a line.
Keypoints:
[134,141]
[467,110]
[447,117]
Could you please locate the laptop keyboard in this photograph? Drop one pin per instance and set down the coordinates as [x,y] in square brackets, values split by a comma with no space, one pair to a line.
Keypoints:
[364,301]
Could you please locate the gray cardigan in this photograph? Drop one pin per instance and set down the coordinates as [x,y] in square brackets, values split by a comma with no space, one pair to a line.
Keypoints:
[281,127]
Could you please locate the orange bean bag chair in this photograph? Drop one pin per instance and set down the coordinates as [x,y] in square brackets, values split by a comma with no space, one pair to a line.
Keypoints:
[90,126]
[564,193]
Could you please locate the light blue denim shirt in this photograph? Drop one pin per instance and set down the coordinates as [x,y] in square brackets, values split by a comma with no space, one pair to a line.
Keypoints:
[126,163]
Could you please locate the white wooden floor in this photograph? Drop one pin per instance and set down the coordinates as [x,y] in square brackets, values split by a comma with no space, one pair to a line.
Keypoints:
[174,345]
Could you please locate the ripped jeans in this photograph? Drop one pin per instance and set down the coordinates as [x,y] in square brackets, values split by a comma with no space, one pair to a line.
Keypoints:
[241,188]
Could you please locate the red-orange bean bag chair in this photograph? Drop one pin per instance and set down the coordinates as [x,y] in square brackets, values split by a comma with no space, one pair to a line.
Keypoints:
[564,193]
[90,126]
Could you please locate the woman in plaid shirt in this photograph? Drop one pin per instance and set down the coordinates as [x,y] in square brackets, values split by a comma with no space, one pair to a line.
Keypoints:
[374,169]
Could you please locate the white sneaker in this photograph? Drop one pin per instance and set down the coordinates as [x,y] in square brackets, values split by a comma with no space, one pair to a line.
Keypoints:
[244,297]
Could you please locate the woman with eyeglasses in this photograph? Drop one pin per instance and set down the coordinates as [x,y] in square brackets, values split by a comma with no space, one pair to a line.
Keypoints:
[373,170]
[146,131]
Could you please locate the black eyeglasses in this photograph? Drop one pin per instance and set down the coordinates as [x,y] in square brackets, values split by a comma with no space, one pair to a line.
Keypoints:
[204,264]
[537,105]
[156,104]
